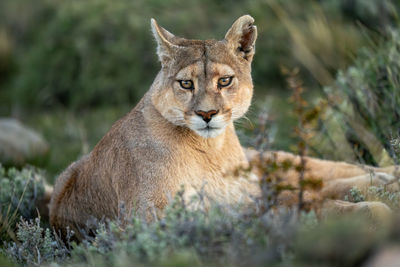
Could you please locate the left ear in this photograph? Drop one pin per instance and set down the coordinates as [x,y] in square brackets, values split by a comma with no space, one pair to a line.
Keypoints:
[241,37]
[166,48]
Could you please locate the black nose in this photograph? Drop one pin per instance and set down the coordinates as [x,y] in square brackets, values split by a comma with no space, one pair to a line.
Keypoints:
[206,115]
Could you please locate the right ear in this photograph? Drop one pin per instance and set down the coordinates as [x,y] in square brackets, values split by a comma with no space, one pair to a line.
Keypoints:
[241,37]
[166,49]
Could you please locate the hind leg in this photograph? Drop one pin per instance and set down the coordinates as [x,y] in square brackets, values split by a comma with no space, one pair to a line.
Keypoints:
[338,178]
[316,168]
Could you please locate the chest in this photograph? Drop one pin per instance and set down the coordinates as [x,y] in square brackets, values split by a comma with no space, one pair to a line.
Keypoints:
[197,166]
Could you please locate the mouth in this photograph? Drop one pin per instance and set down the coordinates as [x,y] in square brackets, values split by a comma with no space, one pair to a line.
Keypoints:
[210,129]
[209,132]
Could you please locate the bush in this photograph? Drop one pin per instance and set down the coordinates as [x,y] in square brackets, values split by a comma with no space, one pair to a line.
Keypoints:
[87,54]
[217,236]
[344,241]
[367,100]
[35,245]
[355,195]
[19,191]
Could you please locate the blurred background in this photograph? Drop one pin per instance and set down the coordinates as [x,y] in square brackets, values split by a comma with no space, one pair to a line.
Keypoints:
[70,69]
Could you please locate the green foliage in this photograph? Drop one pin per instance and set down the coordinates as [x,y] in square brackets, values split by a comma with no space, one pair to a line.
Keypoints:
[395,145]
[90,56]
[4,262]
[35,245]
[355,195]
[19,191]
[96,52]
[217,236]
[369,97]
[380,193]
[345,241]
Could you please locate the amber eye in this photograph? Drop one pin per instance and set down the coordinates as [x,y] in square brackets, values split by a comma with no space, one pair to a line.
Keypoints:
[186,84]
[224,81]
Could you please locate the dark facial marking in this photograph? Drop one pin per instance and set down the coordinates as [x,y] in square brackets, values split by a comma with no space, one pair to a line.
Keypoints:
[205,59]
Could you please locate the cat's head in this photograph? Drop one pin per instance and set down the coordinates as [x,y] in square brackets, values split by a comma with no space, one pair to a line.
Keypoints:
[205,85]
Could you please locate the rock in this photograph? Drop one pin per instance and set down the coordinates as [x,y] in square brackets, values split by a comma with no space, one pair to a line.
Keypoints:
[387,257]
[19,144]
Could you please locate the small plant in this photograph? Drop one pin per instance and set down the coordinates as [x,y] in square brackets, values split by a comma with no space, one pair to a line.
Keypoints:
[270,181]
[35,245]
[380,193]
[395,148]
[307,117]
[355,195]
[19,191]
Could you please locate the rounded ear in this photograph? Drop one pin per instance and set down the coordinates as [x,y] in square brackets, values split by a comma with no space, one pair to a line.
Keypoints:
[165,46]
[241,37]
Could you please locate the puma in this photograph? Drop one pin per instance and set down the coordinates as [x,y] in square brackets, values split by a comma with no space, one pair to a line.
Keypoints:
[182,133]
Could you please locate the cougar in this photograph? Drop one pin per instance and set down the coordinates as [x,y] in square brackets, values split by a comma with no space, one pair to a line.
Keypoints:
[181,133]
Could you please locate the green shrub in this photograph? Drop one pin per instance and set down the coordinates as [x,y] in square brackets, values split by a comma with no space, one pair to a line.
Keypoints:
[355,195]
[217,236]
[380,193]
[35,245]
[367,100]
[20,24]
[19,190]
[87,54]
[344,241]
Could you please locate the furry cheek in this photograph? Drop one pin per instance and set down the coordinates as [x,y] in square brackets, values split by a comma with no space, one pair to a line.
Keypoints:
[175,116]
[240,107]
[238,111]
[169,108]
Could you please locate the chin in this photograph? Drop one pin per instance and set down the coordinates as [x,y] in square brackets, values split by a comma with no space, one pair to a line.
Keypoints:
[209,133]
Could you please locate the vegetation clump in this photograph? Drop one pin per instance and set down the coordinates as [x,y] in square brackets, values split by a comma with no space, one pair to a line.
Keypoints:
[366,100]
[19,192]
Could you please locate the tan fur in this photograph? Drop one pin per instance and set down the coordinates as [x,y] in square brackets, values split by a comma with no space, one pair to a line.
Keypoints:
[337,178]
[160,145]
